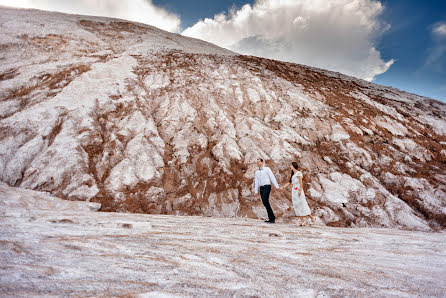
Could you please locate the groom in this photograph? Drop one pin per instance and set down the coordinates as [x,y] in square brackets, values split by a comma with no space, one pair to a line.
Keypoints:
[263,179]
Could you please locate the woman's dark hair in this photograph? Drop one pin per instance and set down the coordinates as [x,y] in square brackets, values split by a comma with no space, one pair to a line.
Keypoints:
[296,166]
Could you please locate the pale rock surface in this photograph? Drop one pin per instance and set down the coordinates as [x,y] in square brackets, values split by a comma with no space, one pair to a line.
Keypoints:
[142,120]
[52,247]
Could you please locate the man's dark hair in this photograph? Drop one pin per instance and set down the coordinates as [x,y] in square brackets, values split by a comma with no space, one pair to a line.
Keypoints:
[260,159]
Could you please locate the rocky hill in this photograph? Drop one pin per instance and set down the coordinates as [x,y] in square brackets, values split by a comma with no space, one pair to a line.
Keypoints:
[142,120]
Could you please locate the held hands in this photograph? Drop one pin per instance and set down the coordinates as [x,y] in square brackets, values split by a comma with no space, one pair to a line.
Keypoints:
[283,186]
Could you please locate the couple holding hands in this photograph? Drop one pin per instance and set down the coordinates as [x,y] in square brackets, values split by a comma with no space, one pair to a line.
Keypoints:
[263,179]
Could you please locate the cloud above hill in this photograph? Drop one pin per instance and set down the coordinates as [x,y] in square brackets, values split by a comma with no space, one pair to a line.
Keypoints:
[143,11]
[338,35]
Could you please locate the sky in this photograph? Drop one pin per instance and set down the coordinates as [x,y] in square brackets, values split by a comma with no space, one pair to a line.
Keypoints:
[398,43]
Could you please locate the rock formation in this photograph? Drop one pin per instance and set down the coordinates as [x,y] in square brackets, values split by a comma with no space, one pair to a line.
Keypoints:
[142,120]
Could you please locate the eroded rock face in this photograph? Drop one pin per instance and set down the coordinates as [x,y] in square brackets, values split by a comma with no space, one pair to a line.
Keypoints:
[142,120]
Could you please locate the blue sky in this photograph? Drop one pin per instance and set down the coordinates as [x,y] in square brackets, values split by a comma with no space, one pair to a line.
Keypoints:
[398,43]
[420,55]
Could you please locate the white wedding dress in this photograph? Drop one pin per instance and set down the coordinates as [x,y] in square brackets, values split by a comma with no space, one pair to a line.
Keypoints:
[300,204]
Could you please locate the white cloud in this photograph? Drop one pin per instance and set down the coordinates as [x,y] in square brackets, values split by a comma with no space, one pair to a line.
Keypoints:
[436,58]
[440,29]
[339,35]
[143,11]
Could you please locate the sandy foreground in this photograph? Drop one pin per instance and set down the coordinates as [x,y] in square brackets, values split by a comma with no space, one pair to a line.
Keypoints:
[51,247]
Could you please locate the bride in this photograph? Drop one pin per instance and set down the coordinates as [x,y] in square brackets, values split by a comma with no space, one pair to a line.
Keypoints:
[300,204]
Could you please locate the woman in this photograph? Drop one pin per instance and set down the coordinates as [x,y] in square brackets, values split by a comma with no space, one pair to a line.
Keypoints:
[300,204]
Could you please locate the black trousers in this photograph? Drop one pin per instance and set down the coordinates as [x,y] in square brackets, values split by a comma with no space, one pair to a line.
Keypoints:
[264,194]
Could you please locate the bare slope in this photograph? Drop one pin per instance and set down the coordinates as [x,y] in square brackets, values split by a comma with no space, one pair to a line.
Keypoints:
[142,120]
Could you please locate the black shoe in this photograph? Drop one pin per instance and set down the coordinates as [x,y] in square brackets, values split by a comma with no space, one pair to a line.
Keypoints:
[270,221]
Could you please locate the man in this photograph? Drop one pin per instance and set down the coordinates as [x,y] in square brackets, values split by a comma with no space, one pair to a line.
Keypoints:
[263,179]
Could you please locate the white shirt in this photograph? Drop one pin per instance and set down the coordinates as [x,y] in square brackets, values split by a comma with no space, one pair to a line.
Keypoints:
[264,176]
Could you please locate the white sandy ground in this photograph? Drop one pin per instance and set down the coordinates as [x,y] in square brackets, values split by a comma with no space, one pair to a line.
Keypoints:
[51,247]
